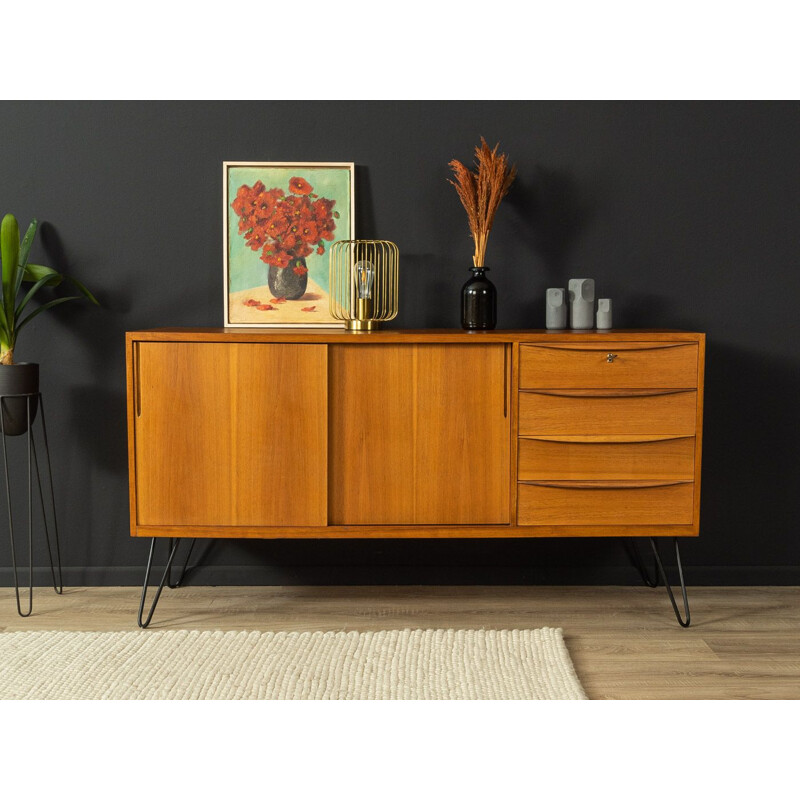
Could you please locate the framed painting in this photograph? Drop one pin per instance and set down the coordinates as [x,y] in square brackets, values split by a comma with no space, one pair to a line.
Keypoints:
[280,218]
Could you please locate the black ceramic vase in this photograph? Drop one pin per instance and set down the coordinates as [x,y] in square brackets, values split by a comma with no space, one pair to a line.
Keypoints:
[289,282]
[18,379]
[479,302]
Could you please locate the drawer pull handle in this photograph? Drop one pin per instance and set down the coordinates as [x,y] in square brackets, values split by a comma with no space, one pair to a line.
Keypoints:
[608,438]
[629,346]
[605,392]
[605,484]
[610,357]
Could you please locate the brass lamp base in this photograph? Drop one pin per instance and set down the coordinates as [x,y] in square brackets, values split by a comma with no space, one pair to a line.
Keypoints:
[361,324]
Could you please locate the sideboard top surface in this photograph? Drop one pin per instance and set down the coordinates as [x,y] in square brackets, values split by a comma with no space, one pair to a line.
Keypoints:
[438,335]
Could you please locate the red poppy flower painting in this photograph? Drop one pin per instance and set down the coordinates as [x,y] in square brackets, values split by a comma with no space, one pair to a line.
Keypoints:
[283,227]
[281,220]
[300,186]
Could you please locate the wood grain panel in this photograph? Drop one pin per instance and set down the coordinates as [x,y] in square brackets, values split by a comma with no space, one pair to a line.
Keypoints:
[642,365]
[596,459]
[463,434]
[371,434]
[420,336]
[565,505]
[549,414]
[419,434]
[132,386]
[514,412]
[231,434]
[698,456]
[413,531]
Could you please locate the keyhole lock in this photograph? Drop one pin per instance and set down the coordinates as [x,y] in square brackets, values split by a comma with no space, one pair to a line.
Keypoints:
[610,358]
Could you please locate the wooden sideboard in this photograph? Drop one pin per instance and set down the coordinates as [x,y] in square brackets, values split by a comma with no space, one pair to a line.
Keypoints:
[321,433]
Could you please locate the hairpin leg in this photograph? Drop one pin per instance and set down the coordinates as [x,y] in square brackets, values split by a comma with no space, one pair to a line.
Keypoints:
[683,623]
[58,584]
[11,514]
[184,569]
[173,547]
[633,551]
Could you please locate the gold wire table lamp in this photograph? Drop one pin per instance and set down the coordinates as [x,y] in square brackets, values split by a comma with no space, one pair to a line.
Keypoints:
[363,282]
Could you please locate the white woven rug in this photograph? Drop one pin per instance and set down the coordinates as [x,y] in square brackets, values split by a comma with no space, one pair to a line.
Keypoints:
[214,665]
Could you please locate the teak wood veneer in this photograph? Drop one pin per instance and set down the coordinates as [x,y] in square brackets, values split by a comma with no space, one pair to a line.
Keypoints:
[322,433]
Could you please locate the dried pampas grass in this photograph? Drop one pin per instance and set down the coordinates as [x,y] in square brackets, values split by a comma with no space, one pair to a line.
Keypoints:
[481,191]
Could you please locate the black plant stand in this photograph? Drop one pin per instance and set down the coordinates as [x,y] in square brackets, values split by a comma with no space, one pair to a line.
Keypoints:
[33,463]
[659,574]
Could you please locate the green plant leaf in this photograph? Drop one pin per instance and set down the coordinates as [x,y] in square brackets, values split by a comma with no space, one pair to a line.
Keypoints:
[35,272]
[9,251]
[4,330]
[31,292]
[24,252]
[27,241]
[41,308]
[82,289]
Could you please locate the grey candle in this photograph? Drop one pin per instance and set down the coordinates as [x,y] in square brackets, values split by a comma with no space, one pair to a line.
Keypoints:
[604,314]
[581,303]
[556,312]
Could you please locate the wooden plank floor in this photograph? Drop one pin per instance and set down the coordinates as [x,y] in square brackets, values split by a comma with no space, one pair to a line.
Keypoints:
[624,641]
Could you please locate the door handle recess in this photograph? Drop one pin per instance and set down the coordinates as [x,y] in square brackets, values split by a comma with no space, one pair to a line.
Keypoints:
[604,484]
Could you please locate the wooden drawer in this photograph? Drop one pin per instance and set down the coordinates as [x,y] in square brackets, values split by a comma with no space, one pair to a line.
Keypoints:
[630,365]
[580,458]
[550,413]
[591,503]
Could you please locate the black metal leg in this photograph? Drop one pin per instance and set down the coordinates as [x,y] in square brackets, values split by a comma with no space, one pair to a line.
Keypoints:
[58,584]
[684,623]
[184,570]
[11,514]
[633,551]
[173,547]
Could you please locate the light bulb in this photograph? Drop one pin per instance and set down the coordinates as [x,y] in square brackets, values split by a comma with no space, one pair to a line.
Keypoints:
[365,276]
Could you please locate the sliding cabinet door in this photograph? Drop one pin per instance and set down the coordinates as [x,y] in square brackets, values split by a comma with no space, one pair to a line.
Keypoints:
[230,434]
[419,434]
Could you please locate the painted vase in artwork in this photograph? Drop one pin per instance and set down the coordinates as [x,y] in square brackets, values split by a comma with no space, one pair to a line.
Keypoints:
[289,282]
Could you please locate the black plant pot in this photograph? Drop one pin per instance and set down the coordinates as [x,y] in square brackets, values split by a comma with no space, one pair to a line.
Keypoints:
[289,282]
[19,379]
[479,302]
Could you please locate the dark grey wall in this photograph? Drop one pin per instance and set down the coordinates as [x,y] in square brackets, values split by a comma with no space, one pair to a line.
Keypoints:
[687,214]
